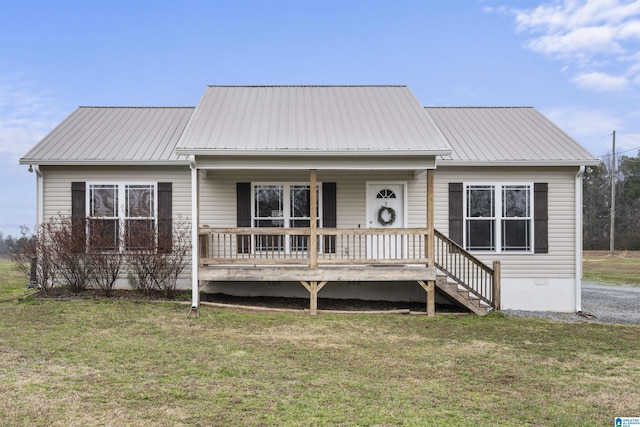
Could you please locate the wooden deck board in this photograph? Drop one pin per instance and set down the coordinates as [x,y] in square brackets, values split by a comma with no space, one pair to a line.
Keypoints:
[378,273]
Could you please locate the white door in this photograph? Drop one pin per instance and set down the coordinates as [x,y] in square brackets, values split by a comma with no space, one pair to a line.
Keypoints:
[385,209]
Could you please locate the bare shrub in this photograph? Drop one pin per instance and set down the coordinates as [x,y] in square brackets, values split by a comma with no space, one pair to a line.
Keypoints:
[104,256]
[68,245]
[35,246]
[156,259]
[65,253]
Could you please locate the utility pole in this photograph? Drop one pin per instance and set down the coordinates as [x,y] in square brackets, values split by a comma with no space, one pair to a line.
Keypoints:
[613,198]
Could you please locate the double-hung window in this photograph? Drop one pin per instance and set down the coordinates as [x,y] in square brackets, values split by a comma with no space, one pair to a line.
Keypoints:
[283,206]
[122,216]
[498,217]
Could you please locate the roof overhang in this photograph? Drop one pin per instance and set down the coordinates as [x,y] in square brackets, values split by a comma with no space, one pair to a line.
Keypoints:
[310,153]
[53,162]
[516,163]
[307,162]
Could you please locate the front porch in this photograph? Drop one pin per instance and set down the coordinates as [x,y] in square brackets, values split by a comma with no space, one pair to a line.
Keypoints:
[344,240]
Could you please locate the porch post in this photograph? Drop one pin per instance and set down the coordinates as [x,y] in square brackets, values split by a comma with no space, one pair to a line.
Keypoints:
[496,285]
[195,254]
[313,237]
[313,287]
[431,292]
[430,218]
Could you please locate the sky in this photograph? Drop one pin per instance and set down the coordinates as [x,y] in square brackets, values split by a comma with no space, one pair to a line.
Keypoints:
[575,61]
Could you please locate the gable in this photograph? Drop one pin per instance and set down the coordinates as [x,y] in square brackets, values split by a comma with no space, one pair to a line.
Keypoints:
[310,120]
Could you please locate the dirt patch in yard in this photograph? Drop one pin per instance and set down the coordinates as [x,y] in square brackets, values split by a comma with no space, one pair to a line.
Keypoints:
[258,301]
[327,304]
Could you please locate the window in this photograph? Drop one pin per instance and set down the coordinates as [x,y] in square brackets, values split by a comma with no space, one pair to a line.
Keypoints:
[269,212]
[516,218]
[283,206]
[139,216]
[103,215]
[498,217]
[122,216]
[480,218]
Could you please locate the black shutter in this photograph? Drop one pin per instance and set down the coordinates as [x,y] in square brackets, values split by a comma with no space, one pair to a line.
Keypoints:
[329,215]
[165,216]
[456,212]
[79,211]
[243,214]
[541,217]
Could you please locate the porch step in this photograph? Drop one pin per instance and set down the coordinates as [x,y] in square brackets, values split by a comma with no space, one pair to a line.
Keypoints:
[461,296]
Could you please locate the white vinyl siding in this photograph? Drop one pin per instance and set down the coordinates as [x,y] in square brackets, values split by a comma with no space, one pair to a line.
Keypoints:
[559,263]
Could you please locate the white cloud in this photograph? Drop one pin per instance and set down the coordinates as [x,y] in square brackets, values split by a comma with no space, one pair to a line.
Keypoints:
[593,128]
[27,113]
[596,39]
[581,122]
[601,82]
[577,44]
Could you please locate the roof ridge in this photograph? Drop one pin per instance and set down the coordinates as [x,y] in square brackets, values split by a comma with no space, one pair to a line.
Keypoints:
[479,107]
[134,106]
[301,86]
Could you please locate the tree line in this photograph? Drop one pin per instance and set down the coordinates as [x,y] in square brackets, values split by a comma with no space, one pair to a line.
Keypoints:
[597,205]
[9,243]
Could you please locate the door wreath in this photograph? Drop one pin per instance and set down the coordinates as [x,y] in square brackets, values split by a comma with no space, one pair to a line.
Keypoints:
[388,211]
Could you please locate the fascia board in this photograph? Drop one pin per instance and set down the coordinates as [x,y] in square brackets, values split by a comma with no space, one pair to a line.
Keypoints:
[315,162]
[347,153]
[41,162]
[549,163]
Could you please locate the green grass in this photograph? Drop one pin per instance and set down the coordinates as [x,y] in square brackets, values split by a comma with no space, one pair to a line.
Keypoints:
[102,362]
[622,268]
[12,283]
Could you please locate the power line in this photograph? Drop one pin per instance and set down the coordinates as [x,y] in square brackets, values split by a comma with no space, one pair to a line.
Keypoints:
[619,152]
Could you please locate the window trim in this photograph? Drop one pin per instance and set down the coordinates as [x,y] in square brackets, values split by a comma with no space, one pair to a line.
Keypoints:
[498,216]
[121,191]
[287,217]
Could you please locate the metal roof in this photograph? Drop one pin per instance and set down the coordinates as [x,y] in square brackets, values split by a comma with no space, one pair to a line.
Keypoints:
[112,135]
[505,135]
[302,120]
[280,120]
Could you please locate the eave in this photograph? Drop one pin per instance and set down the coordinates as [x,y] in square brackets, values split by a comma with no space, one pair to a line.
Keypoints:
[515,163]
[311,153]
[41,162]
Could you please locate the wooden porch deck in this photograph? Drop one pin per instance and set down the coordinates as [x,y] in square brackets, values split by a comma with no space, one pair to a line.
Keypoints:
[314,257]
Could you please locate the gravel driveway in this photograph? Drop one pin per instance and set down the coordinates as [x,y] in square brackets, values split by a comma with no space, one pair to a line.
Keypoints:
[600,303]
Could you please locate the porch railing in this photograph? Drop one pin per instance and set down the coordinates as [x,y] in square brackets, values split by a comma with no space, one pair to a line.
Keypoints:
[467,271]
[335,246]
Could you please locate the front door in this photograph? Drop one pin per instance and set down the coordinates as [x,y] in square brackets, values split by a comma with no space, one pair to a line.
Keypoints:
[385,209]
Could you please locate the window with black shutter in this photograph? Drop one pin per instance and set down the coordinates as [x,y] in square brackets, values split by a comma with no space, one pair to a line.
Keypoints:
[499,217]
[123,216]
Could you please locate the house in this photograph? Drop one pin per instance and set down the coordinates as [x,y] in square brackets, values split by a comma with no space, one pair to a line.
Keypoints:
[480,206]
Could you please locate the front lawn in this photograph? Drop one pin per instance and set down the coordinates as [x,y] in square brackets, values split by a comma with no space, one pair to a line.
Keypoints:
[78,363]
[108,362]
[621,268]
